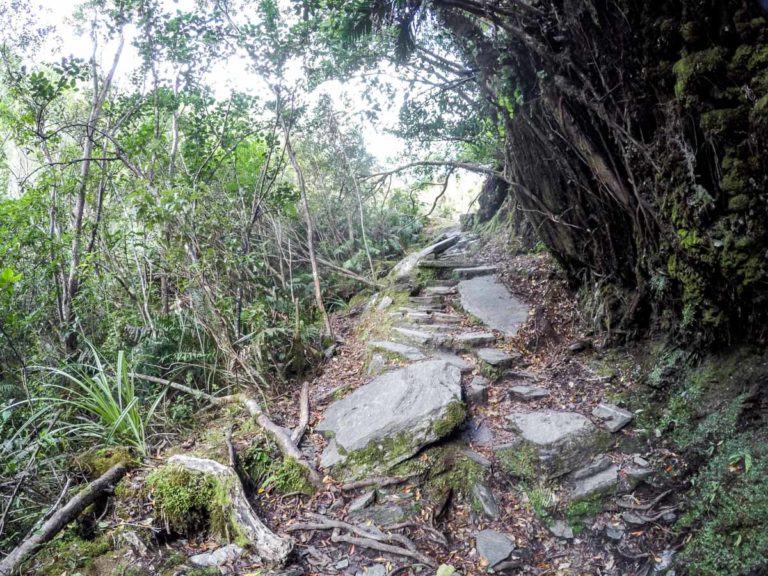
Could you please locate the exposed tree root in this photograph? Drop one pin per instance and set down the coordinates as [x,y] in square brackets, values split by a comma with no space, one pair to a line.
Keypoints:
[372,540]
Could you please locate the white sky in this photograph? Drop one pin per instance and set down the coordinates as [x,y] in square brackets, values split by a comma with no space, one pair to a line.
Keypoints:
[234,74]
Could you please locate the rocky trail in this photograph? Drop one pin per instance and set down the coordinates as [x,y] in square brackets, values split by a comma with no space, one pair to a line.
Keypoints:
[478,458]
[453,425]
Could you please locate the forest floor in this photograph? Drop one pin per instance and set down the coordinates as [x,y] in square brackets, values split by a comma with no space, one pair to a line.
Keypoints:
[443,522]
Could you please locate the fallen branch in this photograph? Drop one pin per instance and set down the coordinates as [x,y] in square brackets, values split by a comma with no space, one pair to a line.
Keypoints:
[349,273]
[298,432]
[60,519]
[268,545]
[280,435]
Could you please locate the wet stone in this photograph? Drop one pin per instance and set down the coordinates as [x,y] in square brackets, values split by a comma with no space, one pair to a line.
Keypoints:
[494,547]
[614,532]
[528,393]
[484,498]
[397,349]
[598,464]
[362,501]
[561,529]
[600,483]
[613,417]
[395,414]
[495,357]
[475,271]
[472,340]
[477,458]
[563,440]
[224,555]
[477,391]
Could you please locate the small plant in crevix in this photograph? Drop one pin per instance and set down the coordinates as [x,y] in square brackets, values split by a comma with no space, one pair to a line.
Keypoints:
[103,404]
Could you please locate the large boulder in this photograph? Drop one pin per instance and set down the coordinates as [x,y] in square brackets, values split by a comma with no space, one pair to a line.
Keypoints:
[391,418]
[560,441]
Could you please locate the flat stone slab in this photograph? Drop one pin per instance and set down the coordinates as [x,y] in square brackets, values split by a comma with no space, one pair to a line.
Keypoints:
[398,349]
[600,483]
[490,301]
[395,415]
[562,440]
[528,393]
[613,417]
[494,547]
[446,318]
[495,357]
[475,271]
[468,340]
[561,529]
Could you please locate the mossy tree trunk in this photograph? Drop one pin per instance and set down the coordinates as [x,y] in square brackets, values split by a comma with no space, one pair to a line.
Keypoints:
[636,136]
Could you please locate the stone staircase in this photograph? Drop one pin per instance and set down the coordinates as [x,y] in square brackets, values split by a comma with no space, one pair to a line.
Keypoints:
[452,337]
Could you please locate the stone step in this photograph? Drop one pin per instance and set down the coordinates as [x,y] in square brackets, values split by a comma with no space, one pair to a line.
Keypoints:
[469,340]
[432,291]
[454,360]
[443,264]
[562,441]
[496,358]
[475,271]
[431,317]
[442,328]
[426,300]
[420,337]
[489,300]
[398,349]
[443,282]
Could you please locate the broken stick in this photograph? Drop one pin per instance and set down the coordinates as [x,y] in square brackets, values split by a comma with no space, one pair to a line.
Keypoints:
[60,519]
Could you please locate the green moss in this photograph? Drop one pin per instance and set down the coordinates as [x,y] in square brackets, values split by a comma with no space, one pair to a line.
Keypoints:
[71,553]
[696,71]
[456,413]
[577,512]
[520,461]
[266,469]
[182,497]
[722,122]
[542,500]
[728,510]
[738,203]
[97,462]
